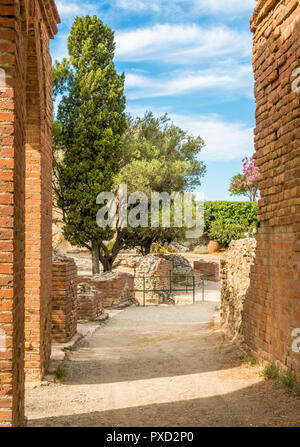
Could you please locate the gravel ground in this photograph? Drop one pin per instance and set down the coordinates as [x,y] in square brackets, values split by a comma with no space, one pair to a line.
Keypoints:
[160,366]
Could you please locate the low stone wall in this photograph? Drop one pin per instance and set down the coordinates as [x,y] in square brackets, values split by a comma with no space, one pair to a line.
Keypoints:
[116,288]
[64,299]
[210,270]
[235,280]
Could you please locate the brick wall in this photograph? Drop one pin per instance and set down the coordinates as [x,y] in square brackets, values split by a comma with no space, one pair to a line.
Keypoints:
[38,199]
[210,270]
[19,27]
[272,306]
[116,288]
[64,300]
[90,305]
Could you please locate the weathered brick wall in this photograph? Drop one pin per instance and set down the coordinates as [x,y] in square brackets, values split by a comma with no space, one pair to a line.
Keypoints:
[38,199]
[210,270]
[235,270]
[64,300]
[19,25]
[116,288]
[90,304]
[272,306]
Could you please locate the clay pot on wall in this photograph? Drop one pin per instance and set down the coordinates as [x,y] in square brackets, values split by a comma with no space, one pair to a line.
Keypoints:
[213,247]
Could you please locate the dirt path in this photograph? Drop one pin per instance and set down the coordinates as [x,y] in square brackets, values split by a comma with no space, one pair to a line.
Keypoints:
[160,366]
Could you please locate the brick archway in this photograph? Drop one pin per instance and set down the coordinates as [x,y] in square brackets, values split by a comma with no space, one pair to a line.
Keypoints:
[25,179]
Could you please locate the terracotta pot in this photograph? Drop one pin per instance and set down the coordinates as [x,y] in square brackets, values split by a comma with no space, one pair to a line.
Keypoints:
[213,247]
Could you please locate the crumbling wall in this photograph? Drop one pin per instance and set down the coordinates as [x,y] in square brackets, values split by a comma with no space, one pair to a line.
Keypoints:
[153,272]
[235,270]
[116,288]
[64,299]
[209,270]
[90,302]
[272,306]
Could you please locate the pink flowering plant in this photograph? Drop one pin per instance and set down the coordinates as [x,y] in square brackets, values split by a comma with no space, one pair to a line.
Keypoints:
[246,184]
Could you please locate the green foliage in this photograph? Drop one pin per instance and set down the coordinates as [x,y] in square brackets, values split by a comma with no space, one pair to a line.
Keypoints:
[270,372]
[200,250]
[60,374]
[110,246]
[285,380]
[227,221]
[161,157]
[172,250]
[288,380]
[224,231]
[88,143]
[249,361]
[159,249]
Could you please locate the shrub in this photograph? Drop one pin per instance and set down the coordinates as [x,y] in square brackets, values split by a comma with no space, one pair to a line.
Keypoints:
[270,372]
[172,250]
[200,250]
[225,231]
[159,249]
[227,221]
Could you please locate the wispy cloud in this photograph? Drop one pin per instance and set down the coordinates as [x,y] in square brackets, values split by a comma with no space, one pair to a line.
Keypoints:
[69,10]
[224,140]
[199,7]
[181,44]
[227,77]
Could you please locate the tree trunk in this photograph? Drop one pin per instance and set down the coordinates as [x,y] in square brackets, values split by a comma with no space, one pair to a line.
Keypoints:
[95,258]
[147,247]
[107,264]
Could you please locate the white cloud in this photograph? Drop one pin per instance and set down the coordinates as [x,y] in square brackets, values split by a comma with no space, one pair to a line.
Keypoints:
[203,7]
[68,10]
[227,6]
[181,44]
[225,141]
[139,5]
[223,77]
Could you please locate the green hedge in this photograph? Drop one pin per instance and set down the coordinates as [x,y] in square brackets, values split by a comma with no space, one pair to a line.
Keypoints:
[227,221]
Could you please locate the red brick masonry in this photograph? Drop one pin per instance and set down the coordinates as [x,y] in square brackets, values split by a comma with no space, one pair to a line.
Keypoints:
[25,121]
[64,301]
[115,288]
[272,306]
[210,270]
[90,305]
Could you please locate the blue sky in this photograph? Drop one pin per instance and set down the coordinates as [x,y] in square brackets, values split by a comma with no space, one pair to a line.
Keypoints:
[189,58]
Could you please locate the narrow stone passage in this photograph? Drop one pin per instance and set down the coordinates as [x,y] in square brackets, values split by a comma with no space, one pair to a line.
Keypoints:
[160,366]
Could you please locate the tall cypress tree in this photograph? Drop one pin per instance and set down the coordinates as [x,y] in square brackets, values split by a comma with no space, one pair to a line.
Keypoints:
[88,133]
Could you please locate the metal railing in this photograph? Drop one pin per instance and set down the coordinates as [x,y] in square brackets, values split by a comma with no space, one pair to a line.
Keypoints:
[175,282]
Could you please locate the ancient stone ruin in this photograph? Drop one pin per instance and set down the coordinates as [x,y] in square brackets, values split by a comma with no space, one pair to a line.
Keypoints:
[152,273]
[235,281]
[271,311]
